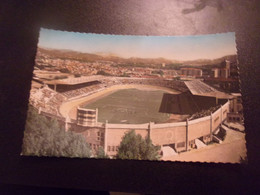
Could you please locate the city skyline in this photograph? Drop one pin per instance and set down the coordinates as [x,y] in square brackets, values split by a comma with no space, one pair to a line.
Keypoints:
[169,47]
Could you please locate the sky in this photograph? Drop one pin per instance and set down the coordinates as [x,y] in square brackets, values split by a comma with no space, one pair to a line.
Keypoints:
[170,47]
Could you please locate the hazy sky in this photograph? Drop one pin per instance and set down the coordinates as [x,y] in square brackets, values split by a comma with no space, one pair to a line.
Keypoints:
[170,47]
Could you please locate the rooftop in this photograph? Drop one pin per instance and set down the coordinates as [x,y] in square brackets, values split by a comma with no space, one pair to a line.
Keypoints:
[75,81]
[198,87]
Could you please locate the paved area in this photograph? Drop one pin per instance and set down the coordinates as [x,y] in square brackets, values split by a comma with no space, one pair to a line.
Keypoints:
[168,151]
[230,150]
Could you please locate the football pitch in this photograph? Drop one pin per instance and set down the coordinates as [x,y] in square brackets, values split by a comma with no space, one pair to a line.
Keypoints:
[130,106]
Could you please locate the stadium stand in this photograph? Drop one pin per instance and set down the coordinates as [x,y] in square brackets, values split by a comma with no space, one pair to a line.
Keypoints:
[90,88]
[47,100]
[200,88]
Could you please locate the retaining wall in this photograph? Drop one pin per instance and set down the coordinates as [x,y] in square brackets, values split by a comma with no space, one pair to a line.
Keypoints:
[109,136]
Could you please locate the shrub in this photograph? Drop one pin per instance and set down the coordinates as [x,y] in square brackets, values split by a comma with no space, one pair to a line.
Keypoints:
[45,137]
[135,147]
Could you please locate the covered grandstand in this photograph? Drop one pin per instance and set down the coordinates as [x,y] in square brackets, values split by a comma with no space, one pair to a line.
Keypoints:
[198,97]
[187,103]
[194,96]
[86,85]
[74,83]
[199,88]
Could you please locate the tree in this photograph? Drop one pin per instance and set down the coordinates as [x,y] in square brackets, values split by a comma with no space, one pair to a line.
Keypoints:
[45,137]
[101,153]
[135,147]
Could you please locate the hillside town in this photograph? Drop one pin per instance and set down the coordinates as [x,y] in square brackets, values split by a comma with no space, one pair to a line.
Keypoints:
[222,74]
[202,96]
[108,68]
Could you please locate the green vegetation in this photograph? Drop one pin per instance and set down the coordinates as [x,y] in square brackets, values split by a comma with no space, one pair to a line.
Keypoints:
[45,137]
[102,72]
[135,147]
[130,106]
[101,153]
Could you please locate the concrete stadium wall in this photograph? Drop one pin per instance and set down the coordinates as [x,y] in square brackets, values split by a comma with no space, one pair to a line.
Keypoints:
[115,132]
[165,134]
[170,133]
[216,119]
[110,135]
[199,127]
[225,110]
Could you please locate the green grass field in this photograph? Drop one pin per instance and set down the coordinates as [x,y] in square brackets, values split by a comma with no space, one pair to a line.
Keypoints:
[130,106]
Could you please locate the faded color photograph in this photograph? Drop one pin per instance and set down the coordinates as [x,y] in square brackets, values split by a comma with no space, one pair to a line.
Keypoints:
[167,98]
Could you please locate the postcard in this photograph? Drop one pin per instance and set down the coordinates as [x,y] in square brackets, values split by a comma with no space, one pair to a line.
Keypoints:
[167,98]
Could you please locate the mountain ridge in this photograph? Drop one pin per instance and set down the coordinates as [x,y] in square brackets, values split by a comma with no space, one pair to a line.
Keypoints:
[91,57]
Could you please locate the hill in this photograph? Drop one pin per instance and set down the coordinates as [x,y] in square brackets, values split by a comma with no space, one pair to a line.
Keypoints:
[200,62]
[88,57]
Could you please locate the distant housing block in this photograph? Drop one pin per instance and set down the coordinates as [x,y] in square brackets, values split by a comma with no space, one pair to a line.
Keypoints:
[193,72]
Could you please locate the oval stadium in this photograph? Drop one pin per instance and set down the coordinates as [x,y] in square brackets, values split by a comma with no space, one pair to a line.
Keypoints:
[176,115]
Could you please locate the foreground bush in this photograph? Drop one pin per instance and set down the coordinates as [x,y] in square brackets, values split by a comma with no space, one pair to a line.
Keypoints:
[135,147]
[45,137]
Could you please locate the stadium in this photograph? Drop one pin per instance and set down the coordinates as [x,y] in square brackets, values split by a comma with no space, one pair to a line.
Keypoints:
[193,112]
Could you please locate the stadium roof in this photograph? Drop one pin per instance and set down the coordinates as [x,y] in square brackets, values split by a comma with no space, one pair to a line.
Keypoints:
[198,87]
[187,103]
[75,81]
